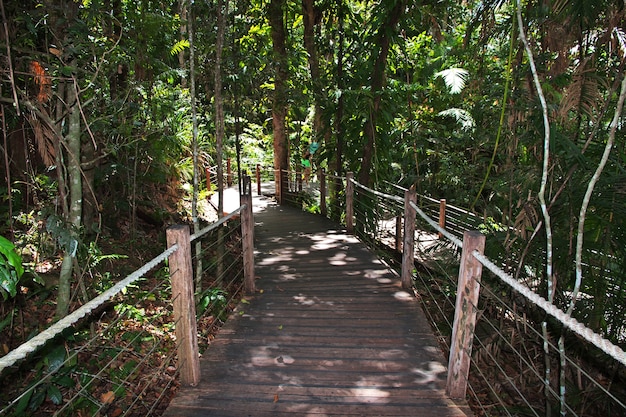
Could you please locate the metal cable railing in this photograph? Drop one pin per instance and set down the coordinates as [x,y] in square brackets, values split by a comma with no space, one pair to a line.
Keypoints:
[117,354]
[507,364]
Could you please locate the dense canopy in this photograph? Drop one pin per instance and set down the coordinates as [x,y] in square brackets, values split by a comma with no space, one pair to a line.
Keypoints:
[112,109]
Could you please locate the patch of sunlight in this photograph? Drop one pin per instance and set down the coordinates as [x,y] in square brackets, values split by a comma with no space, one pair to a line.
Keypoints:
[369,392]
[271,260]
[403,296]
[429,375]
[389,366]
[340,259]
[384,280]
[304,300]
[288,277]
[394,354]
[374,273]
[302,252]
[330,364]
[316,412]
[284,360]
[263,356]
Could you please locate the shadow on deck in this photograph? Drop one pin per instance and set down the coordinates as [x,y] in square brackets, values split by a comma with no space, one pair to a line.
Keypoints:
[329,332]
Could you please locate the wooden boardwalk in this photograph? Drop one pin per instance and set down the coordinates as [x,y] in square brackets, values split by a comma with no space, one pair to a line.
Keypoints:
[329,333]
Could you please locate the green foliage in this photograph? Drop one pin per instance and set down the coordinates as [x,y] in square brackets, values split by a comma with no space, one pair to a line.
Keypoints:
[55,372]
[11,269]
[213,301]
[179,47]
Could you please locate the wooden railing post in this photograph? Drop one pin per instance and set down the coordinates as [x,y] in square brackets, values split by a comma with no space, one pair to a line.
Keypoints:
[349,203]
[258,179]
[442,215]
[467,292]
[247,236]
[323,209]
[408,246]
[181,275]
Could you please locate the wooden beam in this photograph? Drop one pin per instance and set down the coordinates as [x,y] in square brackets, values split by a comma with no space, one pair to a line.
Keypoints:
[467,293]
[349,202]
[181,275]
[247,237]
[408,246]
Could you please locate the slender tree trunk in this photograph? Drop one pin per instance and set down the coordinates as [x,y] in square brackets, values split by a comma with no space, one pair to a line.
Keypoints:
[219,124]
[196,168]
[378,82]
[75,187]
[279,105]
[182,10]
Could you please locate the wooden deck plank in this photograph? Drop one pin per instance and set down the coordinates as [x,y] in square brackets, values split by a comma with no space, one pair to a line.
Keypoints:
[330,332]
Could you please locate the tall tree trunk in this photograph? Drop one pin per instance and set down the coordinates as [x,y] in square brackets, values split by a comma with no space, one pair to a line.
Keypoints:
[279,105]
[378,82]
[337,184]
[311,16]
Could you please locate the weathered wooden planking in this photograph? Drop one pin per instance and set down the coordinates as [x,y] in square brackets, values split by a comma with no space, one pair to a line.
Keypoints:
[330,332]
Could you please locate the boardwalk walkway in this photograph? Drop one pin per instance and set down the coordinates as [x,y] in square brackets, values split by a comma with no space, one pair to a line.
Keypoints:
[329,333]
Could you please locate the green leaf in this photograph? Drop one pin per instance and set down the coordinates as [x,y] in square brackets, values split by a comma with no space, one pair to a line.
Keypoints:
[56,358]
[55,395]
[7,282]
[37,399]
[23,403]
[65,381]
[7,248]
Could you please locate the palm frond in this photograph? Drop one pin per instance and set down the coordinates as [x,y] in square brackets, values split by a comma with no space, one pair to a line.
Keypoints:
[45,140]
[584,95]
[455,79]
[463,117]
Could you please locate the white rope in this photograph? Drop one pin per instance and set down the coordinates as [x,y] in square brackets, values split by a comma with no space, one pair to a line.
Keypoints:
[214,225]
[378,193]
[42,338]
[571,323]
[455,240]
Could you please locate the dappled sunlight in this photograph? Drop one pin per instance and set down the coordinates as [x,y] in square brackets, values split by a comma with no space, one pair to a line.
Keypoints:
[341,258]
[368,391]
[304,300]
[394,354]
[432,375]
[403,296]
[375,273]
[263,356]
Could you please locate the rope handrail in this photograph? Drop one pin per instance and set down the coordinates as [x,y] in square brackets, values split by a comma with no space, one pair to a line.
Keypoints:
[32,345]
[378,193]
[214,225]
[571,323]
[456,241]
[568,321]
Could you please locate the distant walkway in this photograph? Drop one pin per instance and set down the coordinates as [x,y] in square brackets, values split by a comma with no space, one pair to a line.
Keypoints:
[329,333]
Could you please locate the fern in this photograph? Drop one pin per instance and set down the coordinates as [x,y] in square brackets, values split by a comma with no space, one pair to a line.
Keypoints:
[179,47]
